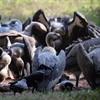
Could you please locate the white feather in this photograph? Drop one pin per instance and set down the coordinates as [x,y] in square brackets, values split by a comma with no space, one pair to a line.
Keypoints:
[48,58]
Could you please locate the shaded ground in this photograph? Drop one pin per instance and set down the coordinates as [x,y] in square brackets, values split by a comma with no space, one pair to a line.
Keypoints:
[82,82]
[4,87]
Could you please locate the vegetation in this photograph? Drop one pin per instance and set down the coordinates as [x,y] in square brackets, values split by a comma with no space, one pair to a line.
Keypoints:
[22,9]
[79,95]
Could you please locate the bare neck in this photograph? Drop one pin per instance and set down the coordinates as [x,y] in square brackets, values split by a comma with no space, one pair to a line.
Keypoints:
[49,41]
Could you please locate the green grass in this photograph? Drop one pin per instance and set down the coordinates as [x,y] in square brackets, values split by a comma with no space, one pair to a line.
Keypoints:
[22,9]
[75,95]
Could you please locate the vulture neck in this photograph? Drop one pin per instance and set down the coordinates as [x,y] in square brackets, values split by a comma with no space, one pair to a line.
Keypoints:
[49,41]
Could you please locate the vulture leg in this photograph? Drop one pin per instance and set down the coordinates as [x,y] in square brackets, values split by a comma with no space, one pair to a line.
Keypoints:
[77,80]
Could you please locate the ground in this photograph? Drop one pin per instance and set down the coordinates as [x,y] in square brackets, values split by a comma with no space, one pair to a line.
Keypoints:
[83,84]
[4,86]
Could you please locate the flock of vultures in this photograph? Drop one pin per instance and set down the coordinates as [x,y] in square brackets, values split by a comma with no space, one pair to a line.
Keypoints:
[38,53]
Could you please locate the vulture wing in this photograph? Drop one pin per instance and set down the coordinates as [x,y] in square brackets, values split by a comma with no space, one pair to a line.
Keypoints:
[39,16]
[41,27]
[35,63]
[27,22]
[86,65]
[29,52]
[57,64]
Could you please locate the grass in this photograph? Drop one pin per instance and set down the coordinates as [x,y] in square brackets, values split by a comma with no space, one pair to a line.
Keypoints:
[22,9]
[76,95]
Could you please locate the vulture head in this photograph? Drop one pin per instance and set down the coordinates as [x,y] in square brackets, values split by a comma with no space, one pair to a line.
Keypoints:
[57,25]
[54,40]
[3,58]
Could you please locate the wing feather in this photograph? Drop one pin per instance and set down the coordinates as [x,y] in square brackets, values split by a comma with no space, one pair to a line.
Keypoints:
[35,64]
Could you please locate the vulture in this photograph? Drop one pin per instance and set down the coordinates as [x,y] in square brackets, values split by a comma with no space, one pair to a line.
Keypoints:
[16,37]
[13,24]
[51,65]
[48,62]
[31,80]
[15,61]
[69,30]
[21,61]
[89,63]
[54,40]
[72,65]
[93,30]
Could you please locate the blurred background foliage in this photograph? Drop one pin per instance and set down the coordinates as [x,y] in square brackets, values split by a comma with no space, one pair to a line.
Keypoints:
[22,9]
